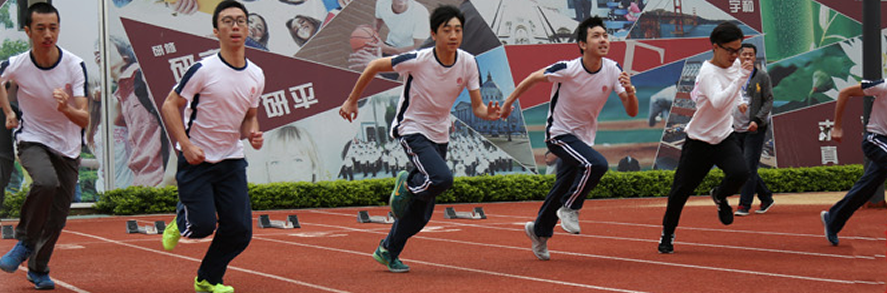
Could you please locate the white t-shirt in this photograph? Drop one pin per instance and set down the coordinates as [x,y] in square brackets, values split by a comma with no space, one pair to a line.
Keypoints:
[219,96]
[404,27]
[878,119]
[430,91]
[716,94]
[41,122]
[577,97]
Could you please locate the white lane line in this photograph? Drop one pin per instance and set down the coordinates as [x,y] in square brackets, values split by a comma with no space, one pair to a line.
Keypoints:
[279,278]
[454,223]
[677,242]
[706,229]
[528,278]
[643,261]
[58,282]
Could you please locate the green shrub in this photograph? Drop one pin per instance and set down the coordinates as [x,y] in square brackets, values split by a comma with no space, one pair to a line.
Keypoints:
[138,200]
[517,187]
[12,204]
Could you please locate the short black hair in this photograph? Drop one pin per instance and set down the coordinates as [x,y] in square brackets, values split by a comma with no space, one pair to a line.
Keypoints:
[442,14]
[41,8]
[748,45]
[582,30]
[225,5]
[724,33]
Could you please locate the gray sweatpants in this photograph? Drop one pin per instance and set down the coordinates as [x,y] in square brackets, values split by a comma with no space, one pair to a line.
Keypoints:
[48,201]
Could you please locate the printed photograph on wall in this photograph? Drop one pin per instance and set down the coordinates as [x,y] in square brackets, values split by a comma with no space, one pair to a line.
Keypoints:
[509,134]
[814,77]
[793,27]
[363,32]
[692,18]
[524,22]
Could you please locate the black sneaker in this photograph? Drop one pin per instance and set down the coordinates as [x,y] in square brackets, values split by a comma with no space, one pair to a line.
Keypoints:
[765,206]
[741,211]
[666,244]
[725,212]
[831,236]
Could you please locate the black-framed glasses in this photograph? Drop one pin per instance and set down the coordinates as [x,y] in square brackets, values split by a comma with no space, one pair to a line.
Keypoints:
[230,21]
[730,50]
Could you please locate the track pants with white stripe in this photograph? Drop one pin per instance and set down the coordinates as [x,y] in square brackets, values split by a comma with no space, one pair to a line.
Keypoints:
[429,178]
[211,193]
[875,148]
[697,158]
[579,171]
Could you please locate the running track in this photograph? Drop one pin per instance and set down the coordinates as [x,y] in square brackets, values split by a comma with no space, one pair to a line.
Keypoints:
[782,251]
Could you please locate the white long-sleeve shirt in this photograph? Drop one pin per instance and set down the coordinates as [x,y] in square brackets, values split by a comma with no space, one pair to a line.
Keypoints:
[716,94]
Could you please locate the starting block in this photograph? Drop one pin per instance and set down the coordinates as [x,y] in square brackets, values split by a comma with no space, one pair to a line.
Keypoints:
[364,217]
[133,227]
[8,231]
[478,214]
[292,221]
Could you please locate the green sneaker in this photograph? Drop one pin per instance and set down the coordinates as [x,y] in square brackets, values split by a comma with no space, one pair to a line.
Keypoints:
[171,236]
[382,256]
[204,286]
[401,195]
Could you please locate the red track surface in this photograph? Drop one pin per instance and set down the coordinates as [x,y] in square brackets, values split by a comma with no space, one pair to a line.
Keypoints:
[781,251]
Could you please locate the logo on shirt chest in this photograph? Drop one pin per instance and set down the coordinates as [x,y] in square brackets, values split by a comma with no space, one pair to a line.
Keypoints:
[604,89]
[252,91]
[458,81]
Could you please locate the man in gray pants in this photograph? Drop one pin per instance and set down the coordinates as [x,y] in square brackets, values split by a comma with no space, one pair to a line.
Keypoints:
[53,103]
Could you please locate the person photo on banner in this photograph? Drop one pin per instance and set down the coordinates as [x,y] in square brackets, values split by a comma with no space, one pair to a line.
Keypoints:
[289,154]
[302,28]
[407,24]
[145,134]
[258,32]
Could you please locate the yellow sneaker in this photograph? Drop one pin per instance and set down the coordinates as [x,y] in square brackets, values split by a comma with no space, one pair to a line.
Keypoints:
[204,286]
[171,237]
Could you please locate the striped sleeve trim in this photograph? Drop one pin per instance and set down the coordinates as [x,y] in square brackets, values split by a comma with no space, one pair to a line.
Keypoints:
[85,79]
[556,67]
[402,58]
[187,77]
[865,83]
[3,66]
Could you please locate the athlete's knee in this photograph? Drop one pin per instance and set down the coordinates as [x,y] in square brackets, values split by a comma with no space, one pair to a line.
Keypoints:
[597,169]
[200,227]
[442,181]
[45,182]
[242,229]
[738,174]
[240,235]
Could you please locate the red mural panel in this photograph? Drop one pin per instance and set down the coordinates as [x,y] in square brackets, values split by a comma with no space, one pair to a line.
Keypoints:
[303,90]
[798,135]
[853,9]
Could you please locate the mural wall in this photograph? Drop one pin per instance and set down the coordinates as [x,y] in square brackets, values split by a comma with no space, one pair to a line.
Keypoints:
[313,50]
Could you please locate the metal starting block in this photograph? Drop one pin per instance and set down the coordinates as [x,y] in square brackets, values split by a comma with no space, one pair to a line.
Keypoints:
[292,221]
[478,214]
[133,227]
[364,217]
[8,231]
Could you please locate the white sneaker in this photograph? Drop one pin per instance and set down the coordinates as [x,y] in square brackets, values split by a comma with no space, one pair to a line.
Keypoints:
[569,220]
[540,244]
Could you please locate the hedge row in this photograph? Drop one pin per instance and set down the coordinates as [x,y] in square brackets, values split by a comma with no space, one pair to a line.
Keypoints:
[291,195]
